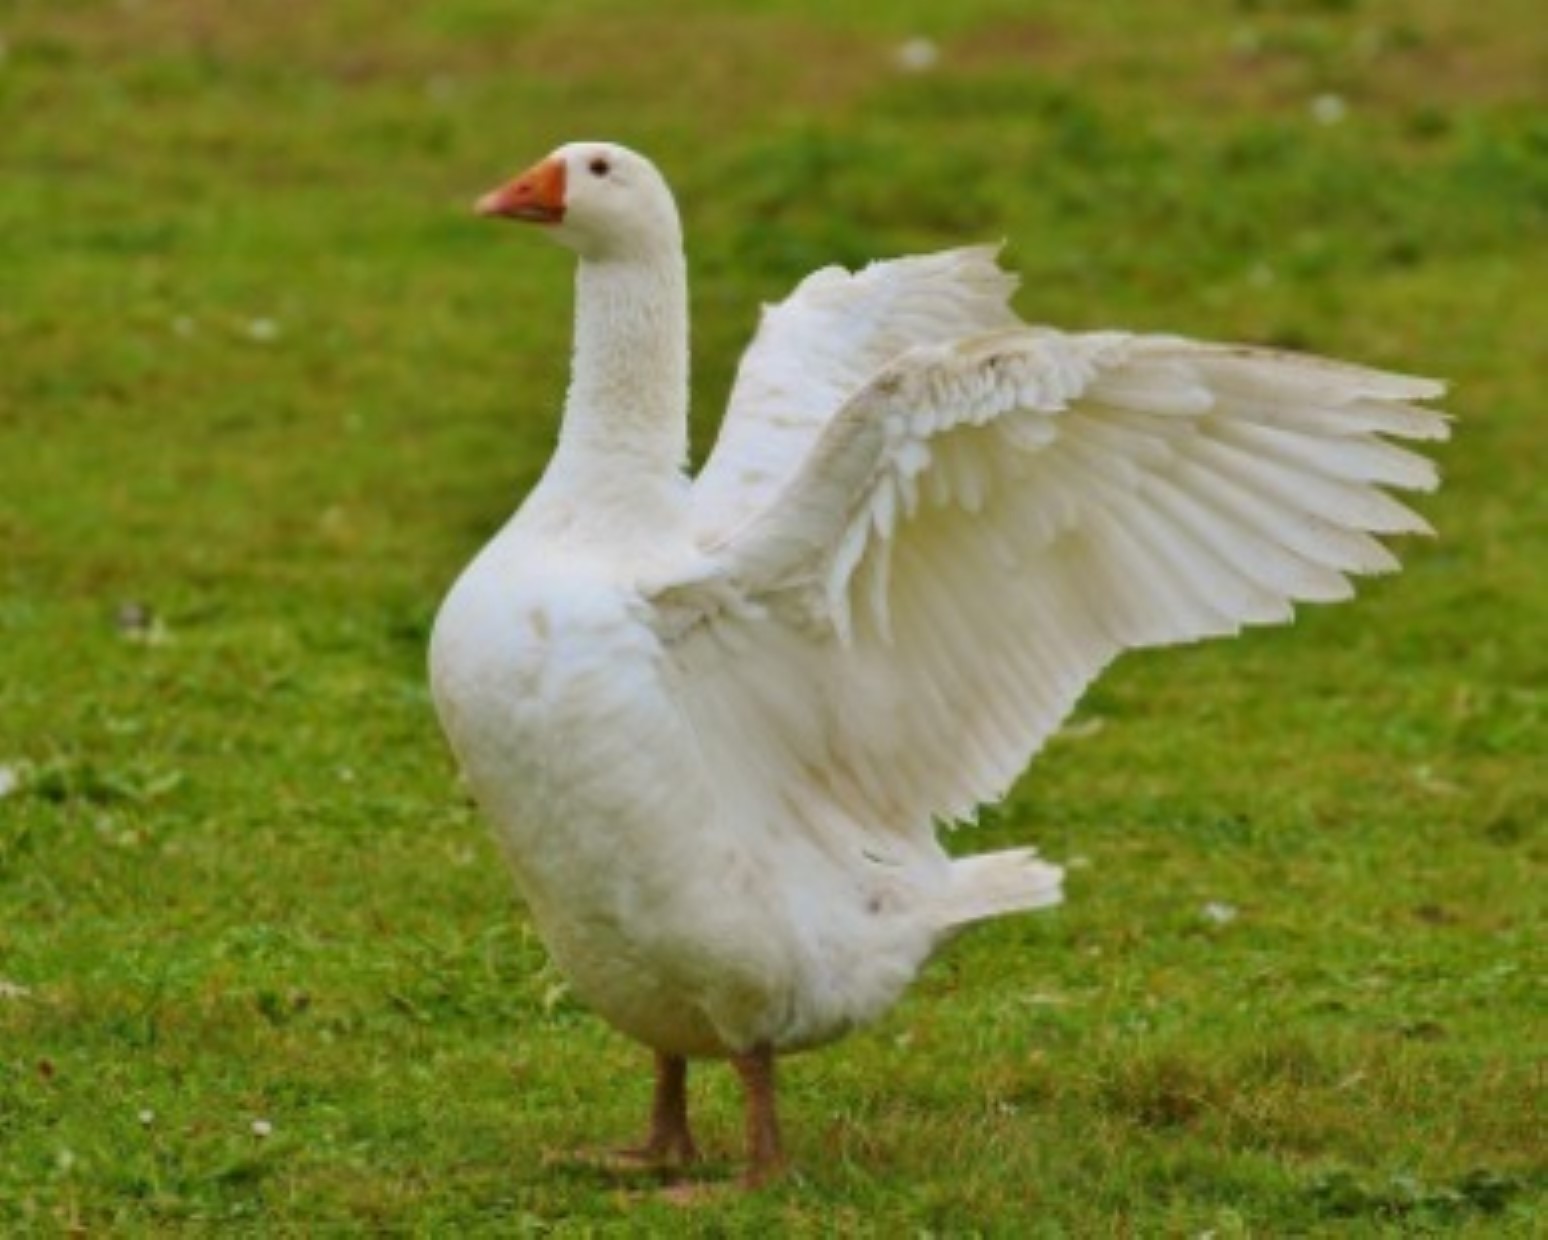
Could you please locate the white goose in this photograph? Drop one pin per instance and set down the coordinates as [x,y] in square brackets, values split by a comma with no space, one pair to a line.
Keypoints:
[715,725]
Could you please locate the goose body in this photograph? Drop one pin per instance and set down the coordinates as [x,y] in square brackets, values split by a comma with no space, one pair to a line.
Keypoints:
[674,909]
[715,724]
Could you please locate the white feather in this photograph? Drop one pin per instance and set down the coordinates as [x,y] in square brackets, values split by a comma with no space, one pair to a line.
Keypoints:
[717,727]
[1148,507]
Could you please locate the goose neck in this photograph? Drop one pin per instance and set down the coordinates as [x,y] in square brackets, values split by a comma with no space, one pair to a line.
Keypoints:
[628,399]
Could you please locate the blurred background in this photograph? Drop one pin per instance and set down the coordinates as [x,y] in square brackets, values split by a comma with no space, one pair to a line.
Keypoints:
[265,384]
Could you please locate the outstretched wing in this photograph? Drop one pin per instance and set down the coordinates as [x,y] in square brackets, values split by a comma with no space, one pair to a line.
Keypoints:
[818,347]
[985,525]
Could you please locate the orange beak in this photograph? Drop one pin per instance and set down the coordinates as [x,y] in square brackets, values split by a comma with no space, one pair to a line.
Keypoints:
[536,195]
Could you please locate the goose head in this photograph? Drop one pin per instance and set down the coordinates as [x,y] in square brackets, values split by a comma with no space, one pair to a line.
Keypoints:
[600,199]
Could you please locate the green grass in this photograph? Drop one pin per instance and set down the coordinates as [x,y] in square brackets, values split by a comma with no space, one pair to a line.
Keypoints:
[265,385]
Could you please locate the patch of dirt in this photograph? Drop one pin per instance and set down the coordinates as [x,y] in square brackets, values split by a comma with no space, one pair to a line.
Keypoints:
[744,62]
[1417,55]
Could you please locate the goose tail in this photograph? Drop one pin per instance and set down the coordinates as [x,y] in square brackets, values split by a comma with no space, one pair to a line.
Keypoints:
[993,884]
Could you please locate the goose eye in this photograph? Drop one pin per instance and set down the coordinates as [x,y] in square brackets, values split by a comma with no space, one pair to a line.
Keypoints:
[600,167]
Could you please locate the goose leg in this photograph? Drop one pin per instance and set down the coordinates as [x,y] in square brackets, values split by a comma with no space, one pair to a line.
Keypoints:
[765,1152]
[670,1138]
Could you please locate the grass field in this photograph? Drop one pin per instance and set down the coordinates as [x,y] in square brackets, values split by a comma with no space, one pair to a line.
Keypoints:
[265,385]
